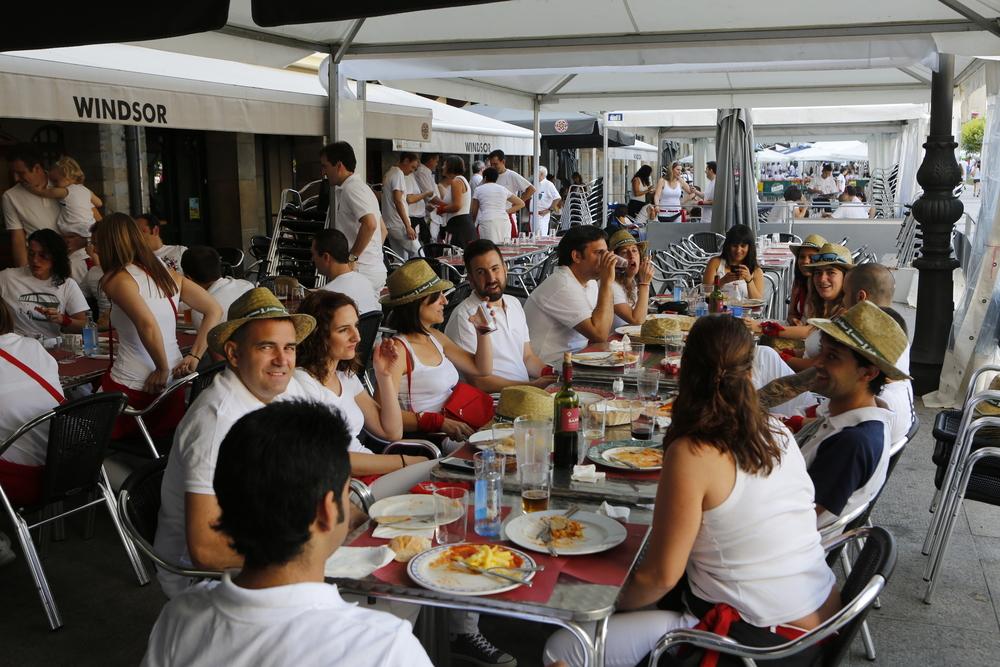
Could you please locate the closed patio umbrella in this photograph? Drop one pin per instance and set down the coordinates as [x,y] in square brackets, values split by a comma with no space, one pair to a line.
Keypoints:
[735,199]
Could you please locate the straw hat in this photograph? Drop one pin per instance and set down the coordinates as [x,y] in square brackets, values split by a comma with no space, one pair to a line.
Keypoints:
[870,332]
[990,408]
[411,281]
[831,254]
[524,400]
[620,239]
[257,304]
[812,241]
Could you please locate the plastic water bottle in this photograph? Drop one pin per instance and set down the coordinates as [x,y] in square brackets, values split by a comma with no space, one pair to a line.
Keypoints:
[90,337]
[701,309]
[489,490]
[678,291]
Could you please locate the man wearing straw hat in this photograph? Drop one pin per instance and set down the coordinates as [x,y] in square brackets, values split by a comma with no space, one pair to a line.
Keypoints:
[847,448]
[258,342]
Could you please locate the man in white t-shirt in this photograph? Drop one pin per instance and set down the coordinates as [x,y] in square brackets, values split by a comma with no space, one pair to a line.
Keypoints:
[848,209]
[513,181]
[574,305]
[547,198]
[258,342]
[396,199]
[282,487]
[330,255]
[203,265]
[23,211]
[427,188]
[709,192]
[357,214]
[477,174]
[514,362]
[170,255]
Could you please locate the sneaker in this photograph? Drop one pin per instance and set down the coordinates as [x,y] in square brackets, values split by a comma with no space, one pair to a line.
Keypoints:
[477,650]
[6,553]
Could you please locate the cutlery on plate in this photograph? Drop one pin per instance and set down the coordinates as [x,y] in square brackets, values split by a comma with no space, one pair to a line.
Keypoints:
[627,464]
[490,573]
[545,536]
[403,518]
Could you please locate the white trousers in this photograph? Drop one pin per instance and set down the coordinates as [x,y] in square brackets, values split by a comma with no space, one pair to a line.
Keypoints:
[495,229]
[541,225]
[630,638]
[403,245]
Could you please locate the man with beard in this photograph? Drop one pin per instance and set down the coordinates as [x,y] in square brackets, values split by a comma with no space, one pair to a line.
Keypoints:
[514,362]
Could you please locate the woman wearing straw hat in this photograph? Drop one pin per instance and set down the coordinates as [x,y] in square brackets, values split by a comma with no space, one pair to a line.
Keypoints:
[426,369]
[737,265]
[800,276]
[631,286]
[327,364]
[827,269]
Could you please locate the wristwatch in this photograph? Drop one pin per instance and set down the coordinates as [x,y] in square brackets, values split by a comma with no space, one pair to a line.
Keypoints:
[352,257]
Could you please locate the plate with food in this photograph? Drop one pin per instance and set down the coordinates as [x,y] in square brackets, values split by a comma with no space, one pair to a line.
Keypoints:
[463,569]
[413,511]
[605,359]
[627,455]
[583,533]
[587,395]
[630,330]
[500,438]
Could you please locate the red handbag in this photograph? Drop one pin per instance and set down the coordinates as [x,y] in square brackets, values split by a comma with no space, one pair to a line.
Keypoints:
[466,404]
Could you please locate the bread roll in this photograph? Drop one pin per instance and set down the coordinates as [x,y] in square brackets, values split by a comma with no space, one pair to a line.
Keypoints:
[408,546]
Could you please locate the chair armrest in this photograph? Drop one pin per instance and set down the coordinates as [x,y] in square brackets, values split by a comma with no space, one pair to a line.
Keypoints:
[167,391]
[24,428]
[425,447]
[363,493]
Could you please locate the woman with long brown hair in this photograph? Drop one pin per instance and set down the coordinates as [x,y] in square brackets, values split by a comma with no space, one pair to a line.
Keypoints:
[734,510]
[144,295]
[327,362]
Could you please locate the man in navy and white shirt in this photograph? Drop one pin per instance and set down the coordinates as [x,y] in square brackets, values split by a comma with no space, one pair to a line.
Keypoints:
[847,448]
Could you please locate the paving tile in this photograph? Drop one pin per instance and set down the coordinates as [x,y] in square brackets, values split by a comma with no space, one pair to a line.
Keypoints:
[984,520]
[907,642]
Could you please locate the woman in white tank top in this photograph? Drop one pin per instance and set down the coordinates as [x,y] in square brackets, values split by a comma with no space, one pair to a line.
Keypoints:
[671,193]
[426,370]
[737,265]
[457,202]
[144,295]
[734,510]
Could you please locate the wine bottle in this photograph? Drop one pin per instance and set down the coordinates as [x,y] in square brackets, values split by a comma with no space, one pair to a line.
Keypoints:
[566,428]
[716,300]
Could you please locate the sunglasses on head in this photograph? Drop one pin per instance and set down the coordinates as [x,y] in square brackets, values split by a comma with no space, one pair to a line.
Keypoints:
[827,257]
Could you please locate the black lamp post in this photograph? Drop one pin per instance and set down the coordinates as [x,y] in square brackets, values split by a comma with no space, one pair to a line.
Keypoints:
[937,211]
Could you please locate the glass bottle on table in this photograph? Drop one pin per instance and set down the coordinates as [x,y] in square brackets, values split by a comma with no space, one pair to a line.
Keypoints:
[716,300]
[566,429]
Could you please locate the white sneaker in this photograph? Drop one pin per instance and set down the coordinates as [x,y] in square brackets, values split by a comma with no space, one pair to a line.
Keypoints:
[6,553]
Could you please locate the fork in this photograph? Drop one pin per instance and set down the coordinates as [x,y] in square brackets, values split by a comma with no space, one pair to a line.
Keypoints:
[546,535]
[488,572]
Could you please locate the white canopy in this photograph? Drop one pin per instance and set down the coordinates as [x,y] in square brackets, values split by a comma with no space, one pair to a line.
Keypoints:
[768,155]
[832,151]
[600,55]
[640,150]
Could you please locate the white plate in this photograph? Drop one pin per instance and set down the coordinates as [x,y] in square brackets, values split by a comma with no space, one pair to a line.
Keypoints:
[484,439]
[446,580]
[407,505]
[610,456]
[598,359]
[629,330]
[599,533]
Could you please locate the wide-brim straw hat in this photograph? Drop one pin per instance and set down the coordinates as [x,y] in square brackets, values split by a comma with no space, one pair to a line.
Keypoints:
[871,332]
[411,281]
[831,254]
[257,304]
[524,400]
[812,241]
[622,238]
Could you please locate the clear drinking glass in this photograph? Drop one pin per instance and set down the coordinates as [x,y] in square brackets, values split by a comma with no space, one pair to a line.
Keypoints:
[450,514]
[647,382]
[536,485]
[593,422]
[643,421]
[532,440]
[634,353]
[673,343]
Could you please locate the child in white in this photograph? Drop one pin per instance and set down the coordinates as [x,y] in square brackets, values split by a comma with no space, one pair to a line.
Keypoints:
[76,202]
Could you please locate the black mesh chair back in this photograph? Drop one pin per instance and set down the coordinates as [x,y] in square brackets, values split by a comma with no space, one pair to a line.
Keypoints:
[368,325]
[437,249]
[708,241]
[143,487]
[79,434]
[232,261]
[204,379]
[877,557]
[460,294]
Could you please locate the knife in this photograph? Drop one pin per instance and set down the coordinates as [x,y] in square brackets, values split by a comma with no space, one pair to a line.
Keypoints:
[479,570]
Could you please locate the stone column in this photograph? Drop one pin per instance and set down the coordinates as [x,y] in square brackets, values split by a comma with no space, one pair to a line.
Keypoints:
[936,211]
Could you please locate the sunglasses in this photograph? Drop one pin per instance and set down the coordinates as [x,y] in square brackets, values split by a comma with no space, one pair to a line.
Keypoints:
[827,257]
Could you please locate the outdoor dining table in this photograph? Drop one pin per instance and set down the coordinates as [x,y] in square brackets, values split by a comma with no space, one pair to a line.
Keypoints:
[510,252]
[76,370]
[565,594]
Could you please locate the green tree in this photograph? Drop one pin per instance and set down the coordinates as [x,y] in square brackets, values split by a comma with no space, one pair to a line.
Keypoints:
[972,135]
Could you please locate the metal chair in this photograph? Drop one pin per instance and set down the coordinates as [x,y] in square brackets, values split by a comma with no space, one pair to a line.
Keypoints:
[138,507]
[129,411]
[368,328]
[709,242]
[869,575]
[436,250]
[205,379]
[79,432]
[232,261]
[391,260]
[460,294]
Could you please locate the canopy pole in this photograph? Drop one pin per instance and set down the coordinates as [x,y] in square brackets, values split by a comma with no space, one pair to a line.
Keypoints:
[536,159]
[133,169]
[937,211]
[607,168]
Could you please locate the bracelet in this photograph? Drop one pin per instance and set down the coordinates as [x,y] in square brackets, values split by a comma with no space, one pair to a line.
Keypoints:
[643,284]
[402,460]
[66,320]
[192,354]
